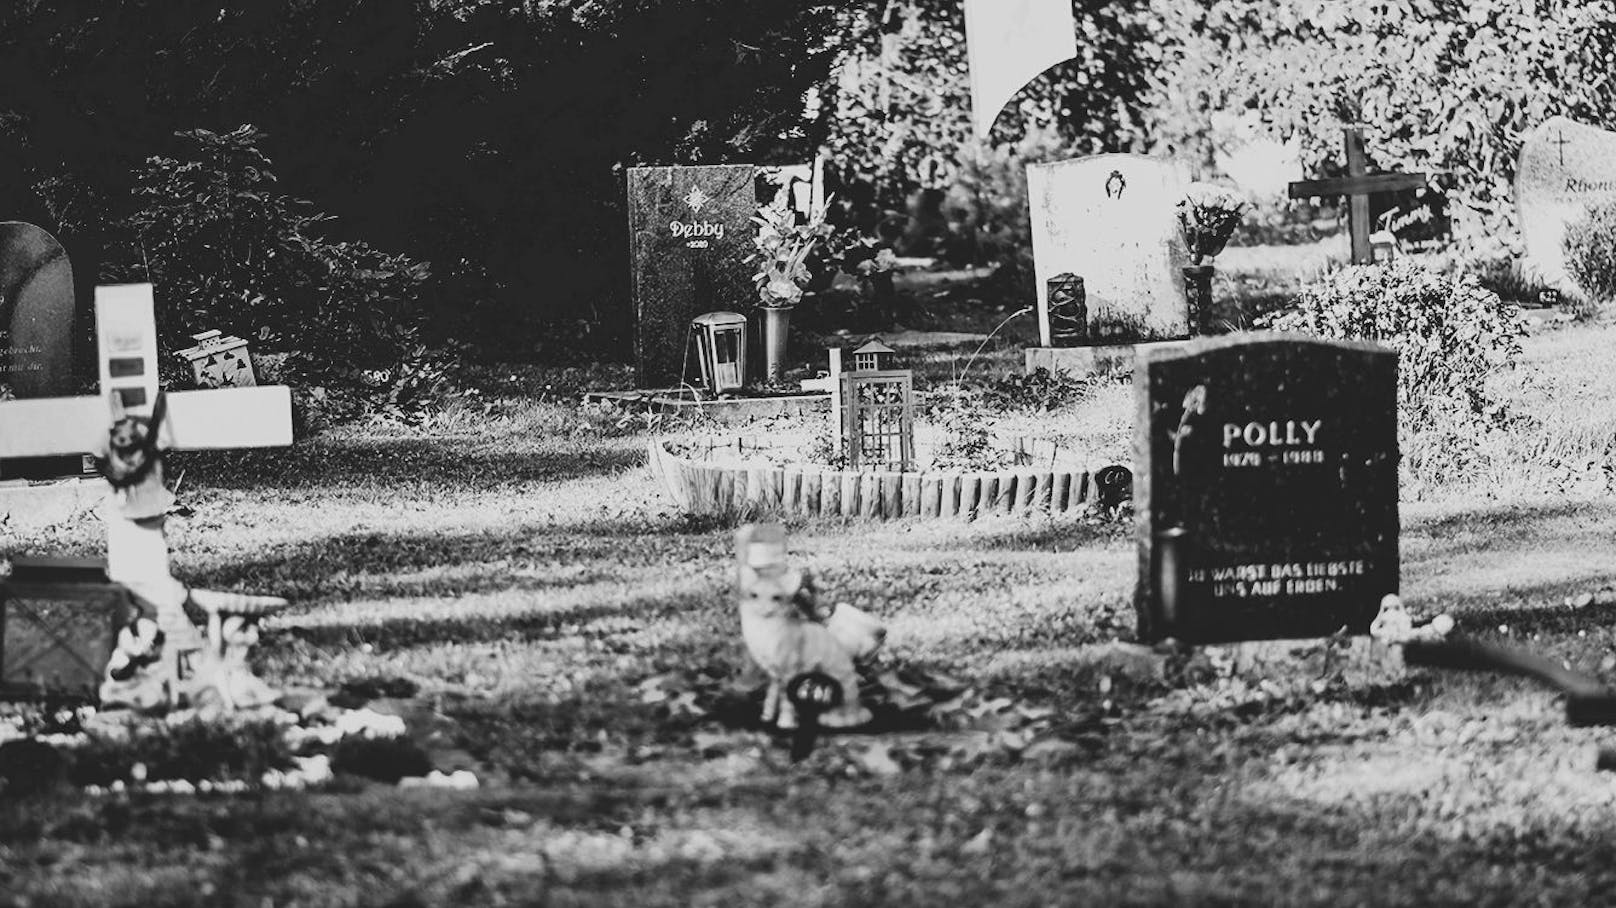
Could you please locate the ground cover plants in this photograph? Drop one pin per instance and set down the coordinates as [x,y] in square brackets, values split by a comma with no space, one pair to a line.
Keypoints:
[508,576]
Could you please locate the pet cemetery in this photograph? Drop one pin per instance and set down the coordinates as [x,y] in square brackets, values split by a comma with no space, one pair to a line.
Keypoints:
[991,451]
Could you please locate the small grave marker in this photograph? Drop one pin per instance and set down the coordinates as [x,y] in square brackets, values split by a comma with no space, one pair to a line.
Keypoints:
[220,361]
[1358,185]
[1265,493]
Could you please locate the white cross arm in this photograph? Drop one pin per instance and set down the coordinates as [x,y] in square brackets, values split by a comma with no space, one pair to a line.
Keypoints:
[258,417]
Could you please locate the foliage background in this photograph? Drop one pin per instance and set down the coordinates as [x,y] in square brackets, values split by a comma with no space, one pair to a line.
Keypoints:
[489,139]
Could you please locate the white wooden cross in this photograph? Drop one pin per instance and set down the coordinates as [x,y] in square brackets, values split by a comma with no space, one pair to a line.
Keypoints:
[126,332]
[831,383]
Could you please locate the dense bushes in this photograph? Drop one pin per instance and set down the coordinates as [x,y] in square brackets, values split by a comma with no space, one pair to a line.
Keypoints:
[1450,331]
[1590,250]
[227,249]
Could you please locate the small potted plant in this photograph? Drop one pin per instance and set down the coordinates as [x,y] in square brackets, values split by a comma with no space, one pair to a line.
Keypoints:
[783,248]
[873,262]
[1207,215]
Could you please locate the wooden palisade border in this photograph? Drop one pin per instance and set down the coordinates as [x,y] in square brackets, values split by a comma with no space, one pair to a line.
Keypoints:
[703,488]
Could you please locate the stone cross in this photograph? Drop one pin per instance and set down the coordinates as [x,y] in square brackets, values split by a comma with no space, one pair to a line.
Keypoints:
[1358,185]
[137,553]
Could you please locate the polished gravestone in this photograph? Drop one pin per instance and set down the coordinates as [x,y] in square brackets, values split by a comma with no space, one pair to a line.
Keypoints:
[1265,488]
[690,235]
[36,330]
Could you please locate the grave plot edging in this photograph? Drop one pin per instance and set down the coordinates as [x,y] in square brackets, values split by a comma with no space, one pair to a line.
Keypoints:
[750,489]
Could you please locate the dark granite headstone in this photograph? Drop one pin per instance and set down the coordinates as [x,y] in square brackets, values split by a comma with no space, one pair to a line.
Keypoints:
[1265,491]
[36,331]
[690,233]
[36,313]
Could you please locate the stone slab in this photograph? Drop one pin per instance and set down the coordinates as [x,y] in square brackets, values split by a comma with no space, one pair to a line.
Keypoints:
[31,506]
[1095,360]
[729,411]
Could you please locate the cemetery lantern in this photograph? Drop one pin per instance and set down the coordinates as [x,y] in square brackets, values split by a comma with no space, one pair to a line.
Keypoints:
[1382,247]
[220,361]
[1068,310]
[721,348]
[874,357]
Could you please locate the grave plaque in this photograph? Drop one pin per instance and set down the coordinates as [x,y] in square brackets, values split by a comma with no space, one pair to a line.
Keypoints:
[1111,220]
[1265,488]
[1564,167]
[690,233]
[36,313]
[36,332]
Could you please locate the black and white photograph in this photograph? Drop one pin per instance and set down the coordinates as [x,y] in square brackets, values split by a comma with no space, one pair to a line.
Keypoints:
[800,453]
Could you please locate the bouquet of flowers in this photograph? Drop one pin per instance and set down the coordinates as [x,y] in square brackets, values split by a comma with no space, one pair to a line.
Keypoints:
[1208,216]
[783,250]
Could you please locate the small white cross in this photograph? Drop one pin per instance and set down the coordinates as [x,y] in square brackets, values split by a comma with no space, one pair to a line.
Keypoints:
[126,332]
[831,383]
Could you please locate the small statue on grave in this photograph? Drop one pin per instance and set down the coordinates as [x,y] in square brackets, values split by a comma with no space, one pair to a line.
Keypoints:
[789,634]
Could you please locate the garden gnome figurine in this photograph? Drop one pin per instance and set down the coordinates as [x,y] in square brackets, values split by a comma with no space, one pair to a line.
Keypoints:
[162,659]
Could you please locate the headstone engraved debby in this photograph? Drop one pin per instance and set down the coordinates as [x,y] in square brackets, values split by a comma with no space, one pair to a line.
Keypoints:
[690,235]
[1111,220]
[1564,167]
[1265,488]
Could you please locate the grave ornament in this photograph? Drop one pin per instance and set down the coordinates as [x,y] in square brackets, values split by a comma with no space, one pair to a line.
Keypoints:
[789,634]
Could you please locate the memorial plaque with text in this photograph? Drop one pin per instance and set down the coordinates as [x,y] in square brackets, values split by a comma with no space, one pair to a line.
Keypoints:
[691,232]
[1265,488]
[36,313]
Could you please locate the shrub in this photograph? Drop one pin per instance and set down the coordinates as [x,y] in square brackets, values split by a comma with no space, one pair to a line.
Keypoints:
[227,250]
[1451,331]
[1590,250]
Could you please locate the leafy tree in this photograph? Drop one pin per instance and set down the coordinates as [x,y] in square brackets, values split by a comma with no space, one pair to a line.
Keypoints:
[1440,85]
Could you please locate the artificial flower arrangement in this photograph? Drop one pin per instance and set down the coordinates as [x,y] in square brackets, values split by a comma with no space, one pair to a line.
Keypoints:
[1208,215]
[783,250]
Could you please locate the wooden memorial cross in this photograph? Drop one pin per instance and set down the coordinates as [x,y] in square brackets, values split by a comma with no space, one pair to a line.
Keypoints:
[1358,185]
[127,340]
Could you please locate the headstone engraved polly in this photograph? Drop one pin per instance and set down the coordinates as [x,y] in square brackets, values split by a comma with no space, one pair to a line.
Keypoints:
[1266,488]
[1564,167]
[690,232]
[1111,220]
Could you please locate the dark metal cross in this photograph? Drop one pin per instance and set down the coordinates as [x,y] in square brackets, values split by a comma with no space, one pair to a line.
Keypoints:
[1358,185]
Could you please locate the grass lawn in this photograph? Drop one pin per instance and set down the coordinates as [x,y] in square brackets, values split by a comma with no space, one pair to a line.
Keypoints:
[575,644]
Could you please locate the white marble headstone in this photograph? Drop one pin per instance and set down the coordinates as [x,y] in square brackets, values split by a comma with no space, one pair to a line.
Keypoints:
[1111,220]
[1564,167]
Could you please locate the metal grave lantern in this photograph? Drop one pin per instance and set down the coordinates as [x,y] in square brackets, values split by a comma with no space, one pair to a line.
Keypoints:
[220,361]
[1068,310]
[874,356]
[878,413]
[721,348]
[59,622]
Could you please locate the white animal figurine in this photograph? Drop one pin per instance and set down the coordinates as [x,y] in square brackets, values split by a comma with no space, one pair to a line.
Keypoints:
[1394,624]
[785,643]
[788,633]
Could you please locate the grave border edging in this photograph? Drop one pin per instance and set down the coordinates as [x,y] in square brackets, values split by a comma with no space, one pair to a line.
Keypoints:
[702,489]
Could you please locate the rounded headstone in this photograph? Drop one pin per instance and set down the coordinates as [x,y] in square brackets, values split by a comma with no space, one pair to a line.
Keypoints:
[1564,167]
[36,312]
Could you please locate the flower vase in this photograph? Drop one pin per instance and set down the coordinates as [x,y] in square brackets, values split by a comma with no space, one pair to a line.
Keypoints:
[1198,292]
[776,329]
